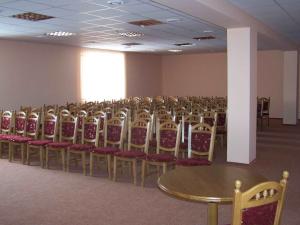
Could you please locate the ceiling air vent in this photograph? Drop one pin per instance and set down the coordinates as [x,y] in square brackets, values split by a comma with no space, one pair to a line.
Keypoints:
[32,16]
[209,37]
[184,44]
[145,23]
[131,44]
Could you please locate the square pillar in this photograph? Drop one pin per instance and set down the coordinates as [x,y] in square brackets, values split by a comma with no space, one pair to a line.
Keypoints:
[290,87]
[242,94]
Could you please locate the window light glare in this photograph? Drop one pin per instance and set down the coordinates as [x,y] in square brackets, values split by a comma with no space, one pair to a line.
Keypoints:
[60,34]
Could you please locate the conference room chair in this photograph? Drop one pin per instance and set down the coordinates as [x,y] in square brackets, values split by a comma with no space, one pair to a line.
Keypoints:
[138,142]
[201,140]
[261,204]
[89,140]
[168,139]
[67,137]
[113,142]
[49,135]
[31,133]
[6,129]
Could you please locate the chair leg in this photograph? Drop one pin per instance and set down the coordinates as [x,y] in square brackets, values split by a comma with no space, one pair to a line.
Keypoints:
[41,150]
[115,169]
[10,152]
[47,157]
[23,153]
[165,166]
[134,171]
[68,161]
[0,150]
[28,155]
[83,163]
[143,172]
[63,159]
[91,164]
[109,166]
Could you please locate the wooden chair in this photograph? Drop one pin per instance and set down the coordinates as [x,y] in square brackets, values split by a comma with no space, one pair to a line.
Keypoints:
[113,142]
[6,129]
[31,133]
[201,142]
[209,117]
[138,142]
[49,135]
[263,107]
[102,121]
[262,204]
[67,137]
[89,140]
[168,139]
[80,117]
[221,128]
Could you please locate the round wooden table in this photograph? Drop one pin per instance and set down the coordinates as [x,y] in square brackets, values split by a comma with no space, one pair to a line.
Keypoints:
[210,184]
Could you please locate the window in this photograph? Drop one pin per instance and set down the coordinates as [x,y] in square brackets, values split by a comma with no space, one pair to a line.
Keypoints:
[102,75]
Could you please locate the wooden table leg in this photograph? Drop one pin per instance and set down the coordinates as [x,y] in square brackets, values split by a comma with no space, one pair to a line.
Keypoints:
[212,214]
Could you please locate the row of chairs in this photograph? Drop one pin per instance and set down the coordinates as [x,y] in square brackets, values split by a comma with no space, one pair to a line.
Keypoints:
[201,137]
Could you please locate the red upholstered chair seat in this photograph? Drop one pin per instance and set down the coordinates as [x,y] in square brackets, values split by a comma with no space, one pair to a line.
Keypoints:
[20,139]
[106,150]
[39,142]
[193,162]
[163,157]
[59,144]
[130,154]
[4,137]
[81,147]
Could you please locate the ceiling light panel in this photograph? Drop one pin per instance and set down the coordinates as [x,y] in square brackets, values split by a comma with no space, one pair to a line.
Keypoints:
[60,34]
[32,16]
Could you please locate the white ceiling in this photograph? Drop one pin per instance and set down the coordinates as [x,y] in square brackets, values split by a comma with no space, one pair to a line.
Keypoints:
[97,24]
[283,16]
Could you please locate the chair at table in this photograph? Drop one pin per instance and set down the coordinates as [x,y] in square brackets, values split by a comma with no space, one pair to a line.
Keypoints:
[6,129]
[89,140]
[168,139]
[138,142]
[49,134]
[221,127]
[67,137]
[31,133]
[261,204]
[201,140]
[113,142]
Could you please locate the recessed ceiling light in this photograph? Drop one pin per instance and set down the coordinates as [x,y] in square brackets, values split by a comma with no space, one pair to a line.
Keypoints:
[173,20]
[115,2]
[131,34]
[131,44]
[207,31]
[175,50]
[60,34]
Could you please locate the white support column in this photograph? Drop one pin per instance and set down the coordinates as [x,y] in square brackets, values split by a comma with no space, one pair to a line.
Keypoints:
[290,85]
[242,94]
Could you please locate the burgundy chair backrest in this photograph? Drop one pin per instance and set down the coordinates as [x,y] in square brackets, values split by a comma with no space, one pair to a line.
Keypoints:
[114,133]
[6,122]
[168,138]
[138,135]
[68,129]
[32,125]
[20,123]
[49,128]
[262,215]
[209,121]
[221,121]
[90,131]
[200,142]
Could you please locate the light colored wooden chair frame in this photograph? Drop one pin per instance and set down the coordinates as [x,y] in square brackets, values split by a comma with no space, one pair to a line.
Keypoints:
[90,120]
[119,144]
[261,194]
[169,125]
[41,149]
[72,140]
[144,148]
[202,128]
[23,146]
[10,115]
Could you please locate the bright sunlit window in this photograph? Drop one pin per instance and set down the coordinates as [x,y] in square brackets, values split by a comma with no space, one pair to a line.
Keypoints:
[102,75]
